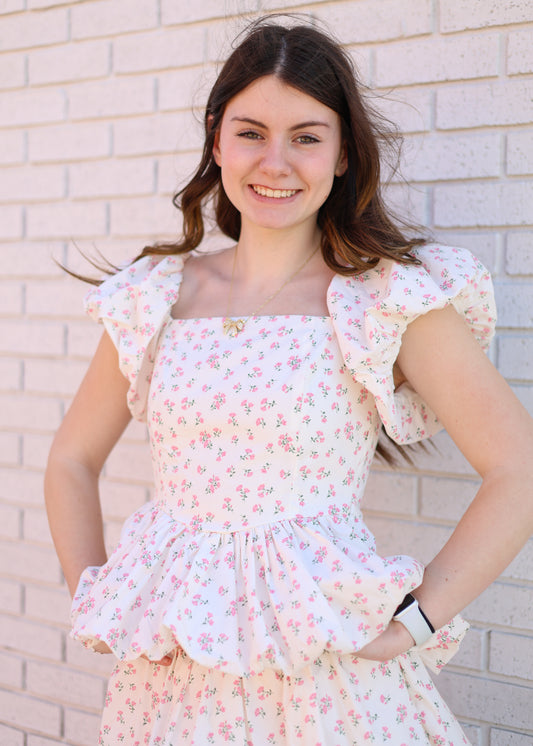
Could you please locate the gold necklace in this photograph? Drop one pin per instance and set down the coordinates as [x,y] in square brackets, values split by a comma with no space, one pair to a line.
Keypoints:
[232,327]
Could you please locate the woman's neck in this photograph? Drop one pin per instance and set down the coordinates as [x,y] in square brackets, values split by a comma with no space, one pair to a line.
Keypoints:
[267,255]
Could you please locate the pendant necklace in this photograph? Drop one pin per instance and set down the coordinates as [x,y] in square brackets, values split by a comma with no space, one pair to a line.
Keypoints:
[232,327]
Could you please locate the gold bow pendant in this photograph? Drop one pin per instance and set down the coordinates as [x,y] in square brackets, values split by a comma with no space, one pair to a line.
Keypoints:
[232,327]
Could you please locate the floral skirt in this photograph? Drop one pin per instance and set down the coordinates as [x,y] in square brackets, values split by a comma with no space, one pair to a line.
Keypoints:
[336,701]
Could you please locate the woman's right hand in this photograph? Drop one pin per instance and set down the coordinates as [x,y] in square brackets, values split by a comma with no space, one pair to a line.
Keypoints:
[101,647]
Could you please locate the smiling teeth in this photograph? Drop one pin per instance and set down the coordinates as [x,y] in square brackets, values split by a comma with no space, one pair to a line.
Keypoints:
[276,193]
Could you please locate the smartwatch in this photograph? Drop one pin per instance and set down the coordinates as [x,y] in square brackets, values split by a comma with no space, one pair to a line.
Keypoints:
[414,620]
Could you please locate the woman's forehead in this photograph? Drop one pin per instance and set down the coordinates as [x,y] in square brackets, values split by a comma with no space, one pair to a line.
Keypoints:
[270,97]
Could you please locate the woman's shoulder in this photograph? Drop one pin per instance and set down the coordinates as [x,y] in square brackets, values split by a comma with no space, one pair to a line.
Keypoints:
[371,311]
[440,272]
[150,282]
[134,305]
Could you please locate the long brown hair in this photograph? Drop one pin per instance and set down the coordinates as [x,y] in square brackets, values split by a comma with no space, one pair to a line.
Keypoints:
[357,229]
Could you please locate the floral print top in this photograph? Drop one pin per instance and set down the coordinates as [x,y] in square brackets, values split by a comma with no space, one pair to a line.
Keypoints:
[254,553]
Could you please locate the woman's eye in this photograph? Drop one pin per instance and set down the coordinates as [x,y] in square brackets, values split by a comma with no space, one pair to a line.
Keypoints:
[307,139]
[250,135]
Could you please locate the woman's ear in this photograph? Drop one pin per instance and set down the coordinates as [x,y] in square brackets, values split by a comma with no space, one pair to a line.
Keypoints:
[342,163]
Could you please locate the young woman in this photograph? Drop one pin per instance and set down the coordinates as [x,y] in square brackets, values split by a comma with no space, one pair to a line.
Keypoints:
[247,603]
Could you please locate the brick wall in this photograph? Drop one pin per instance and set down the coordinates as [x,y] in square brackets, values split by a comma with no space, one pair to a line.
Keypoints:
[95,133]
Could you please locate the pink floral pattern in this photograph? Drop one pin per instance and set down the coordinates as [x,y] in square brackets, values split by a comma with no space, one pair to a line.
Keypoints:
[254,557]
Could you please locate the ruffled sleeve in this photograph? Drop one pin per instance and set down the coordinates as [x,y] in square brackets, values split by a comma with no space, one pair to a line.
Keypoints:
[134,305]
[371,311]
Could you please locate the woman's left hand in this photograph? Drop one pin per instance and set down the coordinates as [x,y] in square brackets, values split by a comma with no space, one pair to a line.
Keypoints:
[392,642]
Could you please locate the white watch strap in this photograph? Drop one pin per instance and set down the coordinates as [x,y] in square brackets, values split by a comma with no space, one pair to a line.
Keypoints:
[414,623]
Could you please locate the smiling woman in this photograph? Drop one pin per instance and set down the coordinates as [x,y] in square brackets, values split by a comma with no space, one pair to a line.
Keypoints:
[248,603]
[287,160]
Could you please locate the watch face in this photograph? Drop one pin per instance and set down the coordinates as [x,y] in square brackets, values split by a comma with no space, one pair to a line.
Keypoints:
[408,600]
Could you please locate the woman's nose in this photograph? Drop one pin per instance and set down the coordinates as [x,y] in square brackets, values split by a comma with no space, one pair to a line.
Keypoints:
[275,159]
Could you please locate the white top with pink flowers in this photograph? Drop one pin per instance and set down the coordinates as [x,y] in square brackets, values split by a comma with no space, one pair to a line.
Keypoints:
[254,553]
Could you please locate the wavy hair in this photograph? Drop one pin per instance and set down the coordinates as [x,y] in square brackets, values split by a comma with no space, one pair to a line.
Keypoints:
[357,229]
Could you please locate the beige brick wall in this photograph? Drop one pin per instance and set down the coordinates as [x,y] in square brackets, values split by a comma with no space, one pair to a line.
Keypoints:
[96,131]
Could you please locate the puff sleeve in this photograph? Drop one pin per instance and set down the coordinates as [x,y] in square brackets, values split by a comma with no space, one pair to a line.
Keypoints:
[134,305]
[371,311]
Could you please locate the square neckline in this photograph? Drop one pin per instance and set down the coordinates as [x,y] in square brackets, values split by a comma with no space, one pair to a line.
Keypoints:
[186,256]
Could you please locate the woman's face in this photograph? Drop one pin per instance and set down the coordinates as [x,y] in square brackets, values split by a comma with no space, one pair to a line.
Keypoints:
[279,151]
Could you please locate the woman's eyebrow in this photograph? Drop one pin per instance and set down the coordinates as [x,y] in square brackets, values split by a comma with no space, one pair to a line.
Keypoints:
[300,125]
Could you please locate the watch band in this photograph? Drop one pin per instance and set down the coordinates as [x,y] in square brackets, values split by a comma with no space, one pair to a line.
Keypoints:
[414,620]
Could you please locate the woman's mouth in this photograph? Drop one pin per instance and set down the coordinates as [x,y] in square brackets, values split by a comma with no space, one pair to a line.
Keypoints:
[273,193]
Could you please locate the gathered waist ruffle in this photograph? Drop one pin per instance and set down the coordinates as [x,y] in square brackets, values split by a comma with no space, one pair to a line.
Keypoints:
[273,596]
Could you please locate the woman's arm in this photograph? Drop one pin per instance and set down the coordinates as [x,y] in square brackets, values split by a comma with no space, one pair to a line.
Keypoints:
[93,424]
[442,361]
[495,433]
